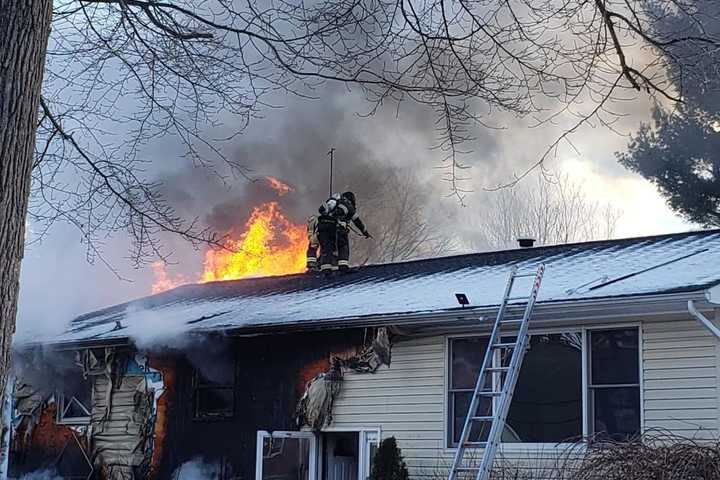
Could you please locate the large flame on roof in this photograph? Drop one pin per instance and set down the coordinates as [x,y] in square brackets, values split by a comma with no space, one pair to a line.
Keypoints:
[269,245]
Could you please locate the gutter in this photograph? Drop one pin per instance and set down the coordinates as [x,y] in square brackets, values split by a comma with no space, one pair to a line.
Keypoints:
[712,296]
[545,312]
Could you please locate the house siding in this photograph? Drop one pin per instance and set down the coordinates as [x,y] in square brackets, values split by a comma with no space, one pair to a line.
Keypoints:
[406,401]
[680,393]
[680,378]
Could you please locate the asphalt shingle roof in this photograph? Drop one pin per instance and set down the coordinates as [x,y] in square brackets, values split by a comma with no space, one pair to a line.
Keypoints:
[627,267]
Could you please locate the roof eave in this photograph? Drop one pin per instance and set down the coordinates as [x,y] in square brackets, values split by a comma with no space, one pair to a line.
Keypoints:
[615,309]
[552,313]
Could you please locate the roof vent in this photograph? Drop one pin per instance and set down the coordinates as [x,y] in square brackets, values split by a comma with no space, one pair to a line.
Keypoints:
[526,242]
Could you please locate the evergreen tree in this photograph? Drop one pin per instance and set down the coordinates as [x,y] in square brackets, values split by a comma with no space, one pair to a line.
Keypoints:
[388,463]
[679,152]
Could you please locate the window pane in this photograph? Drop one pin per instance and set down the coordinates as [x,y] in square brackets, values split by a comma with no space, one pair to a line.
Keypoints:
[460,402]
[286,458]
[76,399]
[83,392]
[547,403]
[74,409]
[213,402]
[616,412]
[221,374]
[614,356]
[467,356]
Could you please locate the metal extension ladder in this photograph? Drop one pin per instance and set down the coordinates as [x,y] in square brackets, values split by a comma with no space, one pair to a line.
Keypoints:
[497,378]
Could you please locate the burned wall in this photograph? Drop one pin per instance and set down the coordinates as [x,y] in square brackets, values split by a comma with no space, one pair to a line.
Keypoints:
[161,414]
[94,420]
[270,374]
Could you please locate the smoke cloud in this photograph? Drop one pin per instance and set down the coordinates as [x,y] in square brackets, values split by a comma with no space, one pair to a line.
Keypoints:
[197,469]
[48,474]
[292,143]
[48,370]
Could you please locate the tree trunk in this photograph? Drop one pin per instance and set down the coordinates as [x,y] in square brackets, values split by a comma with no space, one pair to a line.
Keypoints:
[24,31]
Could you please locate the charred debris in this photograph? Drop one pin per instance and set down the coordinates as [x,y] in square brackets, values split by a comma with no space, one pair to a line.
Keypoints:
[115,412]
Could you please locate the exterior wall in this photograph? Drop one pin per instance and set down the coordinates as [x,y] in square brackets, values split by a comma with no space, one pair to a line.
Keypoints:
[406,400]
[680,393]
[124,441]
[681,388]
[271,375]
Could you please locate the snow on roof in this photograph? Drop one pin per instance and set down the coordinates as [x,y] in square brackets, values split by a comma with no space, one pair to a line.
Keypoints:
[627,267]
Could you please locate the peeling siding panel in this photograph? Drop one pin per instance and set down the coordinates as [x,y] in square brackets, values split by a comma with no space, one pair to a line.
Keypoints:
[118,439]
[681,384]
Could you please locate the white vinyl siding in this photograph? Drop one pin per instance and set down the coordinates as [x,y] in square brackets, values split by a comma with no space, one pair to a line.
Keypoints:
[680,393]
[680,378]
[406,401]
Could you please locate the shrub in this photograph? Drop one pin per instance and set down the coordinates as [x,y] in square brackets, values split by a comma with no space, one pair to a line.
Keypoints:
[388,463]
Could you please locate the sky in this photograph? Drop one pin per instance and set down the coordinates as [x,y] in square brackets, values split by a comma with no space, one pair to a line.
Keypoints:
[58,283]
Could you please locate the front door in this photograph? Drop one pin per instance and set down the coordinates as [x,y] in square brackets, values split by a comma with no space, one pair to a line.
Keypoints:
[341,455]
[348,455]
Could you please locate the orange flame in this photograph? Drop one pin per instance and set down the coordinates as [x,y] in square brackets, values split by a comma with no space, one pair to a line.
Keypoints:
[270,245]
[280,187]
[162,279]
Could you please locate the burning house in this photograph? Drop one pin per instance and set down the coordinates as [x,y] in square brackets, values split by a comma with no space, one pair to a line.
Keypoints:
[300,377]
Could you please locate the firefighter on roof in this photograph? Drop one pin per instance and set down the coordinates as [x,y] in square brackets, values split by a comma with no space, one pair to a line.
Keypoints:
[333,228]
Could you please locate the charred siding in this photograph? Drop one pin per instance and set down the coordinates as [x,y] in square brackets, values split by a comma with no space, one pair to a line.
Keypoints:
[271,372]
[119,428]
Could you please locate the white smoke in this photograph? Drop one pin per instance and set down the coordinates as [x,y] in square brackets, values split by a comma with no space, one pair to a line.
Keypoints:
[197,469]
[48,474]
[152,330]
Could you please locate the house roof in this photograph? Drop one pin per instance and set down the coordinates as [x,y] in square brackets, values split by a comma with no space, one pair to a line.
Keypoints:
[617,268]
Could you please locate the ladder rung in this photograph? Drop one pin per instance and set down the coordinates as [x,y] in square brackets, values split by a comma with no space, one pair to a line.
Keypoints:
[504,345]
[497,369]
[489,394]
[510,299]
[482,419]
[512,320]
[474,444]
[521,275]
[467,469]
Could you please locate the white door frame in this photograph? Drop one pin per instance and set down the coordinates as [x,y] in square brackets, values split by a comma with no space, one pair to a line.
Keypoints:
[312,454]
[366,438]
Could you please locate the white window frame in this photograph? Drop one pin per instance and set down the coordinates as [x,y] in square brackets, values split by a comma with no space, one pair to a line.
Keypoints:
[61,419]
[366,438]
[312,454]
[588,408]
[521,447]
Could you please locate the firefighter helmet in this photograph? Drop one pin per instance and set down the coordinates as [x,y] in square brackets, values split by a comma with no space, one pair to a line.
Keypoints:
[350,196]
